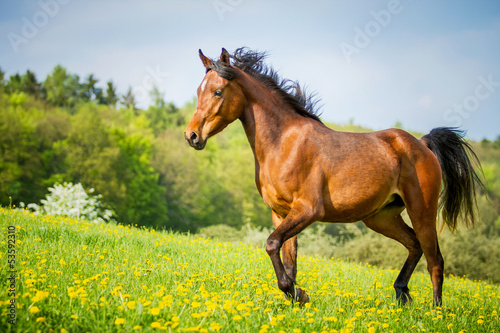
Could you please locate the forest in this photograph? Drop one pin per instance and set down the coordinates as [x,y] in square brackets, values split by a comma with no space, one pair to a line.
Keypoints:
[68,129]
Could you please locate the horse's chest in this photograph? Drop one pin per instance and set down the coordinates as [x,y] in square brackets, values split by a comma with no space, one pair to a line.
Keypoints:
[274,199]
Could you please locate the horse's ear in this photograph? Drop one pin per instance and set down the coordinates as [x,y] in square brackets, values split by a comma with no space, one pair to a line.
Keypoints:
[206,61]
[224,57]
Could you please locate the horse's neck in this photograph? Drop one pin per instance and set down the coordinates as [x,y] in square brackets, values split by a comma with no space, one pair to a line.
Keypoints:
[264,125]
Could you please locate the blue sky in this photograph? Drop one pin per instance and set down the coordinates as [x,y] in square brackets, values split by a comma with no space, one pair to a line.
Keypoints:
[422,63]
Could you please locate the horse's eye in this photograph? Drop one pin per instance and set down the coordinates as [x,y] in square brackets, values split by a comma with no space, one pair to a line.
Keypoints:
[218,93]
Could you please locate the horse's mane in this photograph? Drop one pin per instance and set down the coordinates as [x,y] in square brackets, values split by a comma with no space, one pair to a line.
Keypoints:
[252,62]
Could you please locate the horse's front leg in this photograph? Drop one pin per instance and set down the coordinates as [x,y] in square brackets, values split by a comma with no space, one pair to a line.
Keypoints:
[288,251]
[297,220]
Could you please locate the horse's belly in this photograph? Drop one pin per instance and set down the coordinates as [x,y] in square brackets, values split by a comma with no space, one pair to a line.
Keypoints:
[357,201]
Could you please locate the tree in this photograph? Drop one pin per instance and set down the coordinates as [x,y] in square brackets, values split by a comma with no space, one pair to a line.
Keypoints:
[30,84]
[14,84]
[128,100]
[162,114]
[61,88]
[2,76]
[111,96]
[89,88]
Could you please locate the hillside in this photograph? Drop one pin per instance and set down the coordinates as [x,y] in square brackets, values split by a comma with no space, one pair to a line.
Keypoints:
[68,129]
[76,276]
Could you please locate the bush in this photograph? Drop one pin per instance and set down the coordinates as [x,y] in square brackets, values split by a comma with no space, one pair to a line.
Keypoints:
[73,201]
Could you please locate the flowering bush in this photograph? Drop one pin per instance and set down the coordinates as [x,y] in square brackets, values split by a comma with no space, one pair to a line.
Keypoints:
[73,201]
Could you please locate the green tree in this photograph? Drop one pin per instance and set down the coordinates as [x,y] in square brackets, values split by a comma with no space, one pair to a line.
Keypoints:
[111,96]
[30,84]
[128,100]
[2,77]
[62,88]
[143,204]
[89,88]
[162,114]
[14,84]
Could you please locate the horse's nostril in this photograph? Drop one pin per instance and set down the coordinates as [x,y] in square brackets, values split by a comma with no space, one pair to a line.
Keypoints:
[194,137]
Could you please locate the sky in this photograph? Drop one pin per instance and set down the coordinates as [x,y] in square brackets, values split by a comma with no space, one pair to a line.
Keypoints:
[422,63]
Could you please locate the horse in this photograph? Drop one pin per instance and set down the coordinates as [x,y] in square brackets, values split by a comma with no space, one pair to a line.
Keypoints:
[307,172]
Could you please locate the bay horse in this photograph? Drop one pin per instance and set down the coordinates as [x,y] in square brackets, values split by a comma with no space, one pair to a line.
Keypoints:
[306,172]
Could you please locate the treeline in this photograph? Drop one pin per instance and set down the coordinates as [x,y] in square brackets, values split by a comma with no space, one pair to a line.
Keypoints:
[64,129]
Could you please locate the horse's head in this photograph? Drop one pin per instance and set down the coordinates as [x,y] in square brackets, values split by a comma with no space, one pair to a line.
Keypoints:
[220,101]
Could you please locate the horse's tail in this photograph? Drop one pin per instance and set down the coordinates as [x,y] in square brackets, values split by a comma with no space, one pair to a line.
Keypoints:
[457,160]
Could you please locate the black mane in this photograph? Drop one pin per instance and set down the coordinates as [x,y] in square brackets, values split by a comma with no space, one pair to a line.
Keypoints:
[252,62]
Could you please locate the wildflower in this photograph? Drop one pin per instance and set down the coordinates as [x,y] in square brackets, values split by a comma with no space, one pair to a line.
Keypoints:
[215,326]
[155,324]
[237,318]
[74,316]
[137,327]
[119,321]
[131,305]
[34,309]
[40,319]
[154,311]
[40,295]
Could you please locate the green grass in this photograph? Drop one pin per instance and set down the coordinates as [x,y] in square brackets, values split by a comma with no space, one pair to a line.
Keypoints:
[75,276]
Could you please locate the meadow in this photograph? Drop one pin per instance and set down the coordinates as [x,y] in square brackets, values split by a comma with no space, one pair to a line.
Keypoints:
[78,276]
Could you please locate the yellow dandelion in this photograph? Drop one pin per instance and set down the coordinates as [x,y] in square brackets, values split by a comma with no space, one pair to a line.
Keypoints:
[215,326]
[237,318]
[40,319]
[137,327]
[131,305]
[34,309]
[119,321]
[74,317]
[371,329]
[154,311]
[155,324]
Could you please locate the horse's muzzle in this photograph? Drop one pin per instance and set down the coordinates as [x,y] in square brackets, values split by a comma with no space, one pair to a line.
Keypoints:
[195,140]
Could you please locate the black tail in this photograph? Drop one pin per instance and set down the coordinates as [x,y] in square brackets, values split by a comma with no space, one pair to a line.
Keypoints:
[457,159]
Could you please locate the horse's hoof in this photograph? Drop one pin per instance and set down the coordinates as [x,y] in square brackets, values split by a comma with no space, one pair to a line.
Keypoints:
[405,299]
[301,296]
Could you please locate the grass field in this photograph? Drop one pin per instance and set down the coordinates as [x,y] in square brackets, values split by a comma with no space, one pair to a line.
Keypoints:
[75,276]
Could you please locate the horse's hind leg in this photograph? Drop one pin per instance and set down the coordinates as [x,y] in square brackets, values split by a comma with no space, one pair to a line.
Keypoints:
[421,195]
[389,223]
[425,229]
